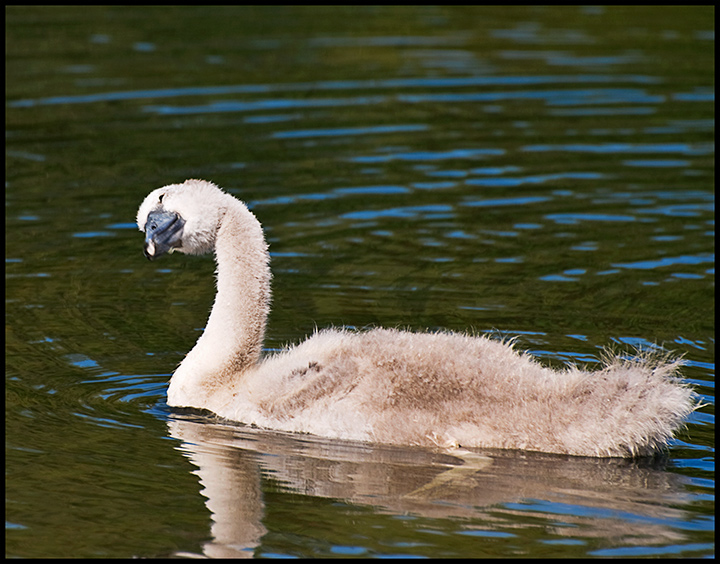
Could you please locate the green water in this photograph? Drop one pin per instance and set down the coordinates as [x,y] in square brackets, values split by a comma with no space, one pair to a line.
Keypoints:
[545,173]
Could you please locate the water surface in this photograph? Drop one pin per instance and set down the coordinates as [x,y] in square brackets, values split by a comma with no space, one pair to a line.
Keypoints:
[539,173]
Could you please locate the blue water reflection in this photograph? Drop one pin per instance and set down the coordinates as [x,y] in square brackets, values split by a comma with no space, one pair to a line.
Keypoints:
[544,175]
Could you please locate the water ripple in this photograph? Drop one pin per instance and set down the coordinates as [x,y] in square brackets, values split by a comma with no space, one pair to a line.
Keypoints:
[667,261]
[392,83]
[429,155]
[683,148]
[348,131]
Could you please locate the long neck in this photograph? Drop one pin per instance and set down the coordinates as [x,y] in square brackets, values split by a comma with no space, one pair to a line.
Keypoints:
[233,337]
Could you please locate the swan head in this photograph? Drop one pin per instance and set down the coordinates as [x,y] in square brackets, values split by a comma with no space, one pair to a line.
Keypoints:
[181,217]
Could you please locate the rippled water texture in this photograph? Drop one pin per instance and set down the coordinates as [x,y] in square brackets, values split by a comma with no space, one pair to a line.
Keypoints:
[539,173]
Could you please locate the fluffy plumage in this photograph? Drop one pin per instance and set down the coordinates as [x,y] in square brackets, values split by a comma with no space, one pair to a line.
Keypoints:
[385,385]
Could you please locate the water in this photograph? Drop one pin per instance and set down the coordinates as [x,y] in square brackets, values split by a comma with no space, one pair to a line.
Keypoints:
[542,173]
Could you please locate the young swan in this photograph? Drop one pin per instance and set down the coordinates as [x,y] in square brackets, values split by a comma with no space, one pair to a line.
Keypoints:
[386,385]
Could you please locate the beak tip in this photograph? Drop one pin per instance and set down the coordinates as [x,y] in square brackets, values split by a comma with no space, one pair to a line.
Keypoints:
[149,251]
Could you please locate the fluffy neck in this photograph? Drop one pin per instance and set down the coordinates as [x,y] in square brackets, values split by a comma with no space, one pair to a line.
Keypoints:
[233,337]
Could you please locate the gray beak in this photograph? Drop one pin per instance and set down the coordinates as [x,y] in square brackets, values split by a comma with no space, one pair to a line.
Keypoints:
[163,233]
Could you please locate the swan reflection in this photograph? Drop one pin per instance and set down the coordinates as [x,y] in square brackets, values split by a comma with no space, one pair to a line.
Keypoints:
[496,489]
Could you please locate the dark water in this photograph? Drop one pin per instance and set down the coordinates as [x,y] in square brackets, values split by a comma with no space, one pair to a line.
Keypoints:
[545,173]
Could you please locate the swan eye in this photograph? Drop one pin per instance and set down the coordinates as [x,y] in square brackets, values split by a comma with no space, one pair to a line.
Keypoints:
[161,197]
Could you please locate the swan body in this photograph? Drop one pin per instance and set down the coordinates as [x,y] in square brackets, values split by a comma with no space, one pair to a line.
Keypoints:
[385,385]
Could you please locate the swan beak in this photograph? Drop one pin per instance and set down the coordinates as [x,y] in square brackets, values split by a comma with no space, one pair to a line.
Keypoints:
[163,233]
